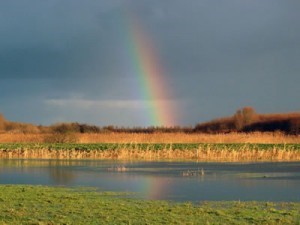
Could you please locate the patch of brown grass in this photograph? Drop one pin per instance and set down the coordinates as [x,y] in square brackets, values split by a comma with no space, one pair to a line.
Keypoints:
[21,138]
[256,137]
[189,138]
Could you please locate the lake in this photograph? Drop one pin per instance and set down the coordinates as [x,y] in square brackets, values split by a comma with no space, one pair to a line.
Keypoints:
[176,181]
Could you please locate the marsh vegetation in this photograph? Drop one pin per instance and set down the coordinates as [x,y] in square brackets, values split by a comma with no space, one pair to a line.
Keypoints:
[150,151]
[245,136]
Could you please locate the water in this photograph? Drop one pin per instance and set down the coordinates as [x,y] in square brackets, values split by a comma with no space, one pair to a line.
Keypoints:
[177,181]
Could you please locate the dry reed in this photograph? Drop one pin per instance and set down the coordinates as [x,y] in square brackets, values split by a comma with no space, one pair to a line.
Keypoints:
[256,137]
[200,154]
[122,152]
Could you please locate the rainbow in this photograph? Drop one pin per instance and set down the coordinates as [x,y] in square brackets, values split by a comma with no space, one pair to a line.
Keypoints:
[146,67]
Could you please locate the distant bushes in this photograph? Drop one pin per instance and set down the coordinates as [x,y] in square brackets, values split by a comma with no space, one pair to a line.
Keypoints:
[287,123]
[288,126]
[148,130]
[74,128]
[223,125]
[244,120]
[66,132]
[15,127]
[295,126]
[247,120]
[235,123]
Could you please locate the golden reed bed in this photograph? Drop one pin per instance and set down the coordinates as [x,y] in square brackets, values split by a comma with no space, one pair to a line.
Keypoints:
[243,154]
[239,155]
[256,137]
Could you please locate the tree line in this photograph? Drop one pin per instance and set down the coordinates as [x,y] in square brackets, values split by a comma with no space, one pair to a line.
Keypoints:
[244,120]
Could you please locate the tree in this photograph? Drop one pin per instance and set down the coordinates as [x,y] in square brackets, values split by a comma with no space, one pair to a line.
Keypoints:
[244,117]
[238,120]
[249,115]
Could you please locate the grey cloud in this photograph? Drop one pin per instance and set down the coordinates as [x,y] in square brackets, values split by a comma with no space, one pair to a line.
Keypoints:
[216,56]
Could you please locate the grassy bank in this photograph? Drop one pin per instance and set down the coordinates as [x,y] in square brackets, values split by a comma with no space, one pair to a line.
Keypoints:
[48,205]
[149,151]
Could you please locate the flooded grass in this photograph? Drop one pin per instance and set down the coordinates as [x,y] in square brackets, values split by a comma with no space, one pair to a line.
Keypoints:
[49,205]
[154,151]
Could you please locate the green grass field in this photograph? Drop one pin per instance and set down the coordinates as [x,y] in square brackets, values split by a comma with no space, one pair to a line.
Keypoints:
[49,205]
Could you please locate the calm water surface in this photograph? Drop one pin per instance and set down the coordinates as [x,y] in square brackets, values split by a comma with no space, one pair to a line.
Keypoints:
[178,181]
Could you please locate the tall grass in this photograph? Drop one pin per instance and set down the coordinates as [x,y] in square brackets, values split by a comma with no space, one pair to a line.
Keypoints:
[255,137]
[189,138]
[201,152]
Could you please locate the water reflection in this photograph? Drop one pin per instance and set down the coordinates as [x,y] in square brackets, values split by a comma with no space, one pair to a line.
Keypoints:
[164,180]
[61,176]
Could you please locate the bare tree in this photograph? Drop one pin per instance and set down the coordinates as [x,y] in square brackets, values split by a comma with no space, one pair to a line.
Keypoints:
[244,116]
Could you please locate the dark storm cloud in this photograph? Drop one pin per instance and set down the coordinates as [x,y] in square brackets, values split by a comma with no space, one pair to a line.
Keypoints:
[57,39]
[216,55]
[202,36]
[216,37]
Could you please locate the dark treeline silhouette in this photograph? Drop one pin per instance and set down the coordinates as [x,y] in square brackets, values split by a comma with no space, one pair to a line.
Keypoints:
[149,130]
[74,127]
[85,128]
[247,120]
[244,120]
[288,126]
[222,125]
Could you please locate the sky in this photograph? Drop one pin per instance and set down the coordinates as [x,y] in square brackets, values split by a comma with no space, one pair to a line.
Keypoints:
[74,61]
